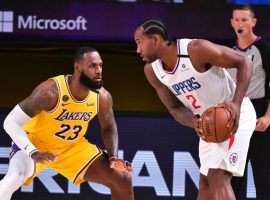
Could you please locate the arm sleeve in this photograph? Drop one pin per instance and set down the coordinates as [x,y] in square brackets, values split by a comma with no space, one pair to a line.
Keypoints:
[13,126]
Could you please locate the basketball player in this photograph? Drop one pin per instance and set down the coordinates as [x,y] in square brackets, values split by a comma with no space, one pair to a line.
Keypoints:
[189,76]
[258,50]
[48,128]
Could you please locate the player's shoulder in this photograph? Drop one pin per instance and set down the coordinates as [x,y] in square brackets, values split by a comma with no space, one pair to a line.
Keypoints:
[198,43]
[148,68]
[46,90]
[104,94]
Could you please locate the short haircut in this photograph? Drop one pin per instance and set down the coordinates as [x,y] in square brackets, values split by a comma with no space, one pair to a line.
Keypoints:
[155,26]
[245,7]
[81,51]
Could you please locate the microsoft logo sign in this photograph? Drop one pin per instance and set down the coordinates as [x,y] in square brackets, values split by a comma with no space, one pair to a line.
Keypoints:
[6,21]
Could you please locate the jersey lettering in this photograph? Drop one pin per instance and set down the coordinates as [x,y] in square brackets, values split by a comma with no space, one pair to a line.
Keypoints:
[66,115]
[185,86]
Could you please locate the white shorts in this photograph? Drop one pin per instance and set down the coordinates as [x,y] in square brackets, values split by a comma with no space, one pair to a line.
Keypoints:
[230,155]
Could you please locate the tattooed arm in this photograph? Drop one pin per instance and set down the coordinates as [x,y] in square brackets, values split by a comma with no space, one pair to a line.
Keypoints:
[107,122]
[43,98]
[180,113]
[109,132]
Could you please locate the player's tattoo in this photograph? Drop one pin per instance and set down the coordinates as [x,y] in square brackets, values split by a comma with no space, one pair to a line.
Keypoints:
[54,89]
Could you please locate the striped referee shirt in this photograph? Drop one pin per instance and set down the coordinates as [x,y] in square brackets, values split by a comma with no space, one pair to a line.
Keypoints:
[259,53]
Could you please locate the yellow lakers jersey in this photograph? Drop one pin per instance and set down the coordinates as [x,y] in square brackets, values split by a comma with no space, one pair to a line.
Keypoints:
[66,124]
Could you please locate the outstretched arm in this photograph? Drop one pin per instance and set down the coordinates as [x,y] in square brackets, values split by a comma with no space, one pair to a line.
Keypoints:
[109,131]
[180,113]
[44,97]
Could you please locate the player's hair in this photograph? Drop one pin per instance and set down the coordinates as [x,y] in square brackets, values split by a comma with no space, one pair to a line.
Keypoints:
[154,26]
[81,51]
[245,7]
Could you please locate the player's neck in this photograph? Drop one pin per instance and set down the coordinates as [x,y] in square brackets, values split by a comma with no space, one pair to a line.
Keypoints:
[78,91]
[246,41]
[169,56]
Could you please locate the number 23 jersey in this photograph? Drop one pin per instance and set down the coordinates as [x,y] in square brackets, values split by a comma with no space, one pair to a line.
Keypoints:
[66,124]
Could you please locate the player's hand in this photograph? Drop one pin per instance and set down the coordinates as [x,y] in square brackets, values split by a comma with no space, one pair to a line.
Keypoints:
[199,130]
[120,165]
[262,124]
[234,109]
[42,157]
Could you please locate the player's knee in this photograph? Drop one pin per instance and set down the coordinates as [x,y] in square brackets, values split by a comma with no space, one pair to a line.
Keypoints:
[203,184]
[218,177]
[123,182]
[19,175]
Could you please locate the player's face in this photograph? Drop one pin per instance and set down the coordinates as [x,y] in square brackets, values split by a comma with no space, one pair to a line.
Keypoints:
[145,46]
[242,22]
[91,73]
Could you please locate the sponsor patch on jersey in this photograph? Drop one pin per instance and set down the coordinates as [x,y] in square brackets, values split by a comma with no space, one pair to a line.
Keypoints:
[233,159]
[65,98]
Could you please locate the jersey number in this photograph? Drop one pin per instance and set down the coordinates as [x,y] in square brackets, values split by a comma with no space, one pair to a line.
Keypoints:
[66,128]
[194,101]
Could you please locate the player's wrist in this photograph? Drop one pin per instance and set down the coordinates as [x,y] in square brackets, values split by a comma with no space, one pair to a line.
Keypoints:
[30,149]
[112,158]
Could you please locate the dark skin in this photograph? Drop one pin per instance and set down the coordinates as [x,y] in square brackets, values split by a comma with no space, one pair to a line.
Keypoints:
[202,54]
[114,172]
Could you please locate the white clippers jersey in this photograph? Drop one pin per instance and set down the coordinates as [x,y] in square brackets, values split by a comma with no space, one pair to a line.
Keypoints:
[197,91]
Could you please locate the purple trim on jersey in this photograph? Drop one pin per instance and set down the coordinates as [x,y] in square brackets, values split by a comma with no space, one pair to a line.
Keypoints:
[14,149]
[178,59]
[87,165]
[240,49]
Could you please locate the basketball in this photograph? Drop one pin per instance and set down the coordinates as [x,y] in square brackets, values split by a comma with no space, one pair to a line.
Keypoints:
[214,124]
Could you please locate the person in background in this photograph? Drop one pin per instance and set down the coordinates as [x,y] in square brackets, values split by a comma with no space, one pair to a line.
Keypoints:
[258,50]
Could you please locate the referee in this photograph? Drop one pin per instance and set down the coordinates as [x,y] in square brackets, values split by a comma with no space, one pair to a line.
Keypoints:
[258,50]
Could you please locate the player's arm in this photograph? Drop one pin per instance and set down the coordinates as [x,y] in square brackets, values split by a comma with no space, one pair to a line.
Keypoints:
[109,131]
[107,123]
[203,52]
[43,98]
[180,113]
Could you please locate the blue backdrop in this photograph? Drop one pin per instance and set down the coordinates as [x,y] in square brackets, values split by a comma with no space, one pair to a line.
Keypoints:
[163,154]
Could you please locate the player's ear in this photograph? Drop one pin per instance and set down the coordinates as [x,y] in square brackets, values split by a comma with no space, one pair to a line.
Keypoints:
[76,67]
[254,22]
[157,38]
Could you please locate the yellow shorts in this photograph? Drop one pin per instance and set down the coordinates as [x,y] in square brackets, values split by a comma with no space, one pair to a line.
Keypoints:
[72,163]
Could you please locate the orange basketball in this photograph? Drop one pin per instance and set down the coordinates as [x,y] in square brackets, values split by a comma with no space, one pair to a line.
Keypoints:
[214,124]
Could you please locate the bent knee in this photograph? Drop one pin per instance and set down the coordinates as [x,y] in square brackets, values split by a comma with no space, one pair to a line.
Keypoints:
[216,176]
[203,183]
[122,180]
[19,175]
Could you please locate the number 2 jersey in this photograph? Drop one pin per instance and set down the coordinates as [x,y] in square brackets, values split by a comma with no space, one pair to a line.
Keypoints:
[197,91]
[58,130]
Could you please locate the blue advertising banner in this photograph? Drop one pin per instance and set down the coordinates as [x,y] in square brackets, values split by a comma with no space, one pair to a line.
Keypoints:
[163,154]
[115,21]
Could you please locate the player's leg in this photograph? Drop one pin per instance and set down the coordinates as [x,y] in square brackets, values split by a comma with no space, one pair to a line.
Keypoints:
[220,184]
[204,189]
[239,184]
[119,182]
[20,168]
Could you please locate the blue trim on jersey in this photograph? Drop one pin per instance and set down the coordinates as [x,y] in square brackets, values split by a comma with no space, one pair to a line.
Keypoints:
[178,59]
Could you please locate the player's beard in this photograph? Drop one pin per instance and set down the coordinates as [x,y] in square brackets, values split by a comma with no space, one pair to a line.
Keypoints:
[87,82]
